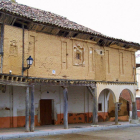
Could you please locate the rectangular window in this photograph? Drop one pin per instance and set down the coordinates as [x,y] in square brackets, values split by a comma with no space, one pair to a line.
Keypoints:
[100,107]
[78,56]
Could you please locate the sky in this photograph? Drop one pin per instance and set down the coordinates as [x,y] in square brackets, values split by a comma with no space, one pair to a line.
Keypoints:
[114,18]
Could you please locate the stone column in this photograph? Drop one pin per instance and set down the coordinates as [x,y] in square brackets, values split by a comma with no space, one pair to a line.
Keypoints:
[95,107]
[27,110]
[134,111]
[116,113]
[65,94]
[32,108]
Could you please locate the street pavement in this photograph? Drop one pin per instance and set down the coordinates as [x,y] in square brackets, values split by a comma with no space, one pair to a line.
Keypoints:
[106,131]
[129,133]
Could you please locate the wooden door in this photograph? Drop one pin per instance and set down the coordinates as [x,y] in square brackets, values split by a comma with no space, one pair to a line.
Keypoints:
[46,111]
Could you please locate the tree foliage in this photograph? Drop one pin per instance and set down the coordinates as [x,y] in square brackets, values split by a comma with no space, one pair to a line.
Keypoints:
[10,0]
[13,1]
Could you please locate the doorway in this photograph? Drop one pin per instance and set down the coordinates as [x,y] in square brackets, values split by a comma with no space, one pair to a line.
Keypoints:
[46,111]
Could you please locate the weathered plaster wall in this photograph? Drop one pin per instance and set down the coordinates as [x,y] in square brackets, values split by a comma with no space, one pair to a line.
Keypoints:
[80,105]
[12,59]
[103,100]
[12,105]
[69,58]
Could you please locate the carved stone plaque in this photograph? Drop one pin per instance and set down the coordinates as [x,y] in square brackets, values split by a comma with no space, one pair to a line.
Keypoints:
[13,48]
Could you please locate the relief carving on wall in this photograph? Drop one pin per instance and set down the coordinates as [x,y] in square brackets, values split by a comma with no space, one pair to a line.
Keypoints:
[78,53]
[13,48]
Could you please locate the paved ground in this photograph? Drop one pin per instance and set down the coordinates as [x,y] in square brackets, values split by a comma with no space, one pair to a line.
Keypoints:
[75,132]
[130,133]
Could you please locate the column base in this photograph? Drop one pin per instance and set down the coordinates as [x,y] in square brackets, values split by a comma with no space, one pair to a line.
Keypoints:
[94,125]
[116,124]
[134,121]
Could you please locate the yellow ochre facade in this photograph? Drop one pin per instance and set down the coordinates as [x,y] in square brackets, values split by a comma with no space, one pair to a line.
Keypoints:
[78,74]
[65,58]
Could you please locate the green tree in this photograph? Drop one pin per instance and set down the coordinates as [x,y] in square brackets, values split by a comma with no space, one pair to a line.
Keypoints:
[13,1]
[9,0]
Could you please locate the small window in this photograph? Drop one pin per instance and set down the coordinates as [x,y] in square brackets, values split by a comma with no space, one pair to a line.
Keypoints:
[100,107]
[78,56]
[101,52]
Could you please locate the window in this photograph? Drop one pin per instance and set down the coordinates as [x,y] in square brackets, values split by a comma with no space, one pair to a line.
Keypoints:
[100,107]
[78,56]
[101,52]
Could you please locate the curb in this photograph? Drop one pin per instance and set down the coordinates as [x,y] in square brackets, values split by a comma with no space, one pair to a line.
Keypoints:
[64,131]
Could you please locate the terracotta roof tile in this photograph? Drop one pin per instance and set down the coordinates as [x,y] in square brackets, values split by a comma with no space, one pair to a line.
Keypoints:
[37,15]
[43,16]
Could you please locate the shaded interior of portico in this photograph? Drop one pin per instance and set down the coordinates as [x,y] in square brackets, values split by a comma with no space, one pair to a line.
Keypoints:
[13,105]
[106,105]
[111,110]
[126,101]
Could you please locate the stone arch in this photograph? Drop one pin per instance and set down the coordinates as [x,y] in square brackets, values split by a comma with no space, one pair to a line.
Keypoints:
[130,92]
[114,97]
[106,101]
[126,98]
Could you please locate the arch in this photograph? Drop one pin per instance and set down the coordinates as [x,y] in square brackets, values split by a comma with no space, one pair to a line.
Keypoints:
[130,92]
[106,104]
[110,91]
[126,97]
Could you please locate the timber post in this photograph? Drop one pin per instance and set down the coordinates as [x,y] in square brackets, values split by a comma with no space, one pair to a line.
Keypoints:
[95,107]
[93,91]
[65,94]
[134,111]
[27,110]
[116,113]
[32,108]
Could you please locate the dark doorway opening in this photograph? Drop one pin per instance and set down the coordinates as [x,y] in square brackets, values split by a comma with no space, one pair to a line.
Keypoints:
[46,112]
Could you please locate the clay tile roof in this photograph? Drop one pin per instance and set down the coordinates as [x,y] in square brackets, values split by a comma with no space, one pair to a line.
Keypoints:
[44,17]
[41,16]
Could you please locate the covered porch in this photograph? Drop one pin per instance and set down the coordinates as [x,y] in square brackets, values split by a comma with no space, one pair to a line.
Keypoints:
[32,114]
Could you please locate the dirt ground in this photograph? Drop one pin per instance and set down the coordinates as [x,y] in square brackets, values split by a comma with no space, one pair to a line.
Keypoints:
[130,133]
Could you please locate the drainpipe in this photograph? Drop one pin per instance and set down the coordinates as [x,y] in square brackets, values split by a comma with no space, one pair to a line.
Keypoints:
[1,51]
[22,49]
[104,106]
[134,69]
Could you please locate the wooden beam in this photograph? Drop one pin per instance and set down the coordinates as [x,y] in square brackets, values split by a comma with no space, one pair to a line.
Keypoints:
[27,110]
[13,21]
[65,95]
[134,111]
[30,25]
[93,91]
[32,109]
[13,83]
[116,113]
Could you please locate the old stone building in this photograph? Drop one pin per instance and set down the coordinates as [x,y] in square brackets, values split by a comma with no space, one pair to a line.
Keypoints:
[77,76]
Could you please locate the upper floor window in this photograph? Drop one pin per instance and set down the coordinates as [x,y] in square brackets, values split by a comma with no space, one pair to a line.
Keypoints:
[78,55]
